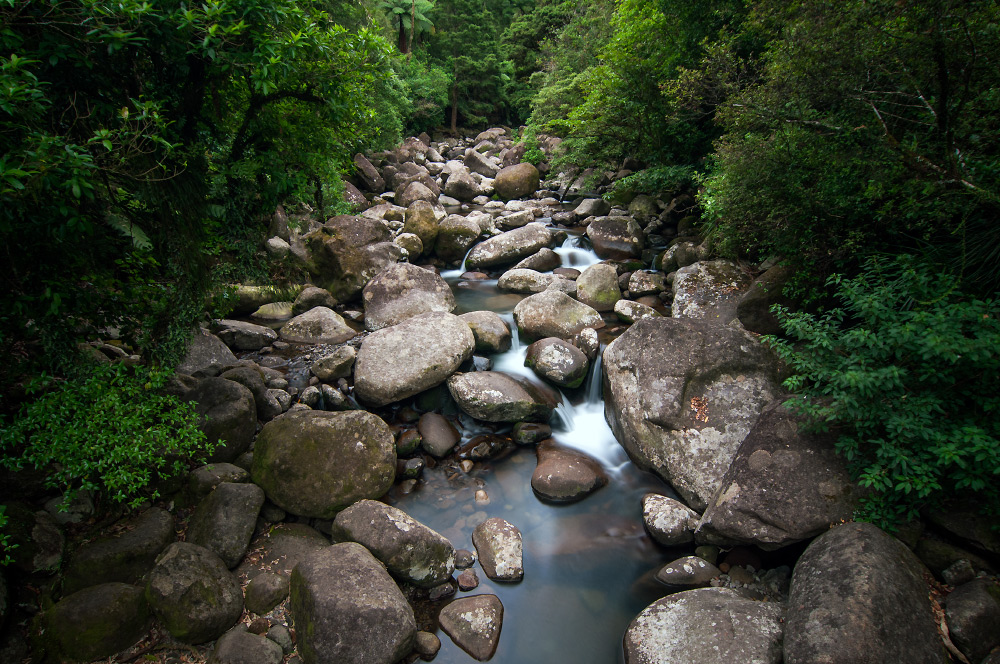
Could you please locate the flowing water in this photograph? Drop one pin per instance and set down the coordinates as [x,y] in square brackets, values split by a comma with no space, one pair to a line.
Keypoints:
[587,565]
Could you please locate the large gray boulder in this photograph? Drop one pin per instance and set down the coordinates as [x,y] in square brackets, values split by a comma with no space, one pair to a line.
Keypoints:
[518,181]
[240,335]
[670,522]
[347,252]
[558,362]
[316,463]
[421,220]
[240,647]
[783,486]
[227,415]
[509,247]
[522,280]
[754,307]
[859,595]
[460,184]
[476,162]
[491,332]
[192,593]
[597,287]
[592,207]
[709,290]
[455,235]
[319,325]
[413,356]
[125,556]
[312,296]
[552,313]
[224,520]
[348,609]
[410,550]
[494,396]
[973,612]
[368,174]
[416,189]
[707,626]
[501,549]
[616,238]
[94,623]
[279,549]
[402,291]
[206,355]
[250,377]
[681,395]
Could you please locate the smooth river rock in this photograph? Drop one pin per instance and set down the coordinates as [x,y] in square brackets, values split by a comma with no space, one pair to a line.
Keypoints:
[500,549]
[859,595]
[491,332]
[316,463]
[494,396]
[558,362]
[348,609]
[509,247]
[709,290]
[347,252]
[319,325]
[565,475]
[681,395]
[402,291]
[616,238]
[707,626]
[554,314]
[474,624]
[224,520]
[669,521]
[517,181]
[597,287]
[94,623]
[413,356]
[410,550]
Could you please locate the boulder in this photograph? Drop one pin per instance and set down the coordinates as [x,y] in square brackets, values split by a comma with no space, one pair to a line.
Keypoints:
[690,571]
[530,281]
[500,549]
[369,174]
[265,591]
[410,550]
[36,541]
[646,282]
[565,475]
[477,163]
[437,435]
[336,365]
[679,255]
[310,297]
[616,238]
[783,486]
[228,416]
[767,290]
[224,520]
[498,397]
[421,220]
[348,609]
[973,612]
[413,356]
[192,593]
[517,181]
[670,522]
[125,556]
[206,355]
[491,333]
[412,243]
[515,220]
[316,463]
[402,291]
[643,206]
[273,311]
[859,595]
[681,395]
[706,626]
[416,190]
[460,184]
[592,207]
[279,549]
[554,314]
[709,290]
[319,325]
[455,235]
[265,403]
[240,647]
[542,260]
[558,362]
[240,335]
[355,200]
[629,311]
[347,252]
[94,623]
[597,287]
[509,247]
[474,624]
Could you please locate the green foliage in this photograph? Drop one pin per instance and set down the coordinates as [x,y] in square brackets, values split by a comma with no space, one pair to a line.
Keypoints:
[862,126]
[144,142]
[656,180]
[426,92]
[112,432]
[907,373]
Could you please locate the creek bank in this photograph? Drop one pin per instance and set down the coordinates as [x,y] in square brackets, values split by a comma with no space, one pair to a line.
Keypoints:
[391,384]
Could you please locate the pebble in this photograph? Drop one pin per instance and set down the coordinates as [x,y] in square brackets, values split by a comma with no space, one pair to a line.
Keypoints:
[482,498]
[464,559]
[427,645]
[468,580]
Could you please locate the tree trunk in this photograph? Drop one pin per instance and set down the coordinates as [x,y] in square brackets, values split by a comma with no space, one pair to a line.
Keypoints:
[403,42]
[413,26]
[454,108]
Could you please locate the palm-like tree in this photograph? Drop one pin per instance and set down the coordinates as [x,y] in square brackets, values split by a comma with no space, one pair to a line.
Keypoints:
[410,17]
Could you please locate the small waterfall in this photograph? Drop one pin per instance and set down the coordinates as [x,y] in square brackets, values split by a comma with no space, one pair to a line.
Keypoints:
[575,252]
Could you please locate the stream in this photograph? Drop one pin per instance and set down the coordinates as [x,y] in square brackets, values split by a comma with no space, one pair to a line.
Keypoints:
[587,564]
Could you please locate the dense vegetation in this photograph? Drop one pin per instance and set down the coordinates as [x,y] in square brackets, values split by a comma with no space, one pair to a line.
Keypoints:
[145,144]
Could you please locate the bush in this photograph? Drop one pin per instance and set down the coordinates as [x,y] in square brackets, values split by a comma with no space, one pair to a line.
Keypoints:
[907,372]
[113,432]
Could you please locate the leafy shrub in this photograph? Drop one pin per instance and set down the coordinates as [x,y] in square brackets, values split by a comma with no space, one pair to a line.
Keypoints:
[907,372]
[112,432]
[658,179]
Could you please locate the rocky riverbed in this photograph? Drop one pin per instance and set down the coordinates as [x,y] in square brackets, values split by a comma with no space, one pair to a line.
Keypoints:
[385,438]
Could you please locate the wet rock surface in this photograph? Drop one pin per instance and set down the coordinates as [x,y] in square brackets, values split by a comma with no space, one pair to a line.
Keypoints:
[494,396]
[565,475]
[500,549]
[474,624]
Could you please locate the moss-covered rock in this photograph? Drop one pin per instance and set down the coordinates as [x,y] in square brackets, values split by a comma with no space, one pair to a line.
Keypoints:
[517,181]
[315,463]
[94,623]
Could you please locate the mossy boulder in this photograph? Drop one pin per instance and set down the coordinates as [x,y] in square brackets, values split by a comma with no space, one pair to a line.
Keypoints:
[228,415]
[193,593]
[517,181]
[316,463]
[348,251]
[94,623]
[224,520]
[598,287]
[421,220]
[455,235]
